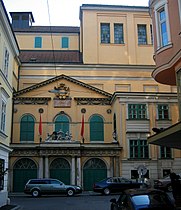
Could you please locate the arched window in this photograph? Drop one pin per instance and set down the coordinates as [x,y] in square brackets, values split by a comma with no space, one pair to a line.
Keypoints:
[27,127]
[96,128]
[62,123]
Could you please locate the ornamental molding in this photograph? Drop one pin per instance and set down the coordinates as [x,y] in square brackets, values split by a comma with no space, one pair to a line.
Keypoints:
[81,152]
[32,100]
[93,101]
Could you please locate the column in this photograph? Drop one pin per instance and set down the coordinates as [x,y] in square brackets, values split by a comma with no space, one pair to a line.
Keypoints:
[111,166]
[79,179]
[73,171]
[40,169]
[46,167]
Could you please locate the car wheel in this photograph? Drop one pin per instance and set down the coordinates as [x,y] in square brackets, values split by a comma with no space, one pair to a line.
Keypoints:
[70,192]
[35,193]
[169,188]
[107,191]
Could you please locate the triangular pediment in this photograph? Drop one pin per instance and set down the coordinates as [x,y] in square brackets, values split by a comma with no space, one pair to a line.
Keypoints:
[46,89]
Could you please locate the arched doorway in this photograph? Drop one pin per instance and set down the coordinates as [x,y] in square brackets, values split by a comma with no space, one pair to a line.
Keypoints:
[94,170]
[23,170]
[60,169]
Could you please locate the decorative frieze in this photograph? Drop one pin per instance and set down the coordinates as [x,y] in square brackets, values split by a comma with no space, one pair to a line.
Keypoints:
[32,100]
[81,151]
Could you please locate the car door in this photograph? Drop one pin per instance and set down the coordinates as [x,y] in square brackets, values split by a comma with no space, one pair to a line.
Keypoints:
[57,187]
[113,184]
[125,183]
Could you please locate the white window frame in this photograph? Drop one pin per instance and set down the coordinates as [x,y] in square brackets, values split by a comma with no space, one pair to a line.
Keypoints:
[3,110]
[162,4]
[179,10]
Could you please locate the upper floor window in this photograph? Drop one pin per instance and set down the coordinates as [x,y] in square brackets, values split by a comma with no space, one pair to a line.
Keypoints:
[139,149]
[96,128]
[137,111]
[27,125]
[163,112]
[3,115]
[6,62]
[165,152]
[118,33]
[105,33]
[151,33]
[163,27]
[62,124]
[142,35]
[38,42]
[65,42]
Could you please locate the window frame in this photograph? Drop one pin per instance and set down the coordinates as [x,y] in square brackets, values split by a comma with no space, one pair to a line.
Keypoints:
[38,42]
[65,42]
[2,166]
[6,60]
[105,33]
[95,128]
[3,110]
[161,112]
[30,133]
[163,4]
[119,33]
[135,112]
[142,149]
[165,152]
[143,35]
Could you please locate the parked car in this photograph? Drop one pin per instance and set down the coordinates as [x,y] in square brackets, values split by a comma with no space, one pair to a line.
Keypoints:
[164,183]
[37,187]
[142,199]
[115,184]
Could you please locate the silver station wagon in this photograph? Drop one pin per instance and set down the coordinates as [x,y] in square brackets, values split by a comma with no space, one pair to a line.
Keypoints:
[38,187]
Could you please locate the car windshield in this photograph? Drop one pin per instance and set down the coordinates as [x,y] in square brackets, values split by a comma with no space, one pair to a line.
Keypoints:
[154,199]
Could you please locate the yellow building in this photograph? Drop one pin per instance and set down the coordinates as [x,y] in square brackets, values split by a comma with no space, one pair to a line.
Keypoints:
[87,102]
[9,63]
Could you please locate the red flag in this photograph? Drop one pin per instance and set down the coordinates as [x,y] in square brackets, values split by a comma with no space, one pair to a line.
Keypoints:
[40,126]
[82,128]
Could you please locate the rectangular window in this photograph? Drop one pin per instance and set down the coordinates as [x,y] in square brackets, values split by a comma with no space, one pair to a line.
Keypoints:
[105,33]
[142,35]
[163,113]
[151,33]
[6,62]
[165,152]
[163,27]
[3,116]
[65,42]
[118,33]
[38,42]
[137,111]
[1,174]
[139,149]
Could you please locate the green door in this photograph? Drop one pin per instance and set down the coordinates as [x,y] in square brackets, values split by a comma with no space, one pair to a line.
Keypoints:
[94,170]
[60,169]
[23,170]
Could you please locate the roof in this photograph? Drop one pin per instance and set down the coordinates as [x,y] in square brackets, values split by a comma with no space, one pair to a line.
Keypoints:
[49,29]
[49,56]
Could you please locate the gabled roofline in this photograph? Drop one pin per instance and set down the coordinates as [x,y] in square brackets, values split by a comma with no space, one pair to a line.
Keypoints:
[54,79]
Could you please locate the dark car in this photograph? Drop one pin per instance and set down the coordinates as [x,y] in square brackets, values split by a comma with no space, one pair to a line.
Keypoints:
[37,187]
[115,184]
[164,183]
[142,199]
